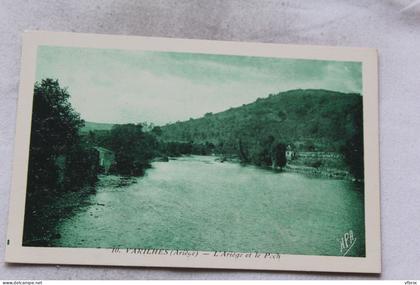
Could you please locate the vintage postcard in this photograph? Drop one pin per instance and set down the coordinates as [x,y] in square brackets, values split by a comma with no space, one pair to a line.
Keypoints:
[162,152]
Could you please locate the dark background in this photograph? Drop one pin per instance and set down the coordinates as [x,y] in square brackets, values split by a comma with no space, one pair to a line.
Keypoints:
[385,25]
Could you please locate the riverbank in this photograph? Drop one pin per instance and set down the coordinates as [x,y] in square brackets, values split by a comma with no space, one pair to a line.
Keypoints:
[322,172]
[46,217]
[308,170]
[42,224]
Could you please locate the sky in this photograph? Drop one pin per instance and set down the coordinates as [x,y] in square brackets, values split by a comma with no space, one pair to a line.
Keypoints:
[122,86]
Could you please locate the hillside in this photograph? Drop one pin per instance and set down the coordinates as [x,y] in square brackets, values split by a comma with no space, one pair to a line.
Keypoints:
[309,119]
[305,120]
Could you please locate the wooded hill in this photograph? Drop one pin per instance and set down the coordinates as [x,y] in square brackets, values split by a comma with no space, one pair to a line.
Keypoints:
[307,120]
[311,120]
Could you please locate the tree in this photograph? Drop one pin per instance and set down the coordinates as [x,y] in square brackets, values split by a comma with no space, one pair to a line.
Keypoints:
[157,131]
[353,148]
[278,154]
[81,167]
[133,149]
[57,159]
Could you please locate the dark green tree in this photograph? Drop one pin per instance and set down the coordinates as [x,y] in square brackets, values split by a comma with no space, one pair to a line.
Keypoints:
[81,167]
[261,152]
[54,131]
[353,148]
[157,131]
[278,154]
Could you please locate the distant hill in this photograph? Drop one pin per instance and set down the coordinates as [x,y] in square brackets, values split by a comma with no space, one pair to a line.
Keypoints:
[309,120]
[92,126]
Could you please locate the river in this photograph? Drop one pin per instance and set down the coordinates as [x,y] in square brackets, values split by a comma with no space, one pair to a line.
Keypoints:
[197,203]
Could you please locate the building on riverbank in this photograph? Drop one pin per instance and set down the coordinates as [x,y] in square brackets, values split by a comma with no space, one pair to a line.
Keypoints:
[106,158]
[290,153]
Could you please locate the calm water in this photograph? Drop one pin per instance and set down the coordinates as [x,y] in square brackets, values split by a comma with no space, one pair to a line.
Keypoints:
[197,203]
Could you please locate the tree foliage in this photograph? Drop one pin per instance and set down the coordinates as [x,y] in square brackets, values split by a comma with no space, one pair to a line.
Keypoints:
[54,132]
[58,159]
[133,148]
[353,147]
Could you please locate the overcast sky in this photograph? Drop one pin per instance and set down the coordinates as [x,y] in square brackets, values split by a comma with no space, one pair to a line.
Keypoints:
[120,86]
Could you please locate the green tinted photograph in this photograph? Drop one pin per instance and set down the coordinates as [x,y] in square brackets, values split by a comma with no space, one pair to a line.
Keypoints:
[195,152]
